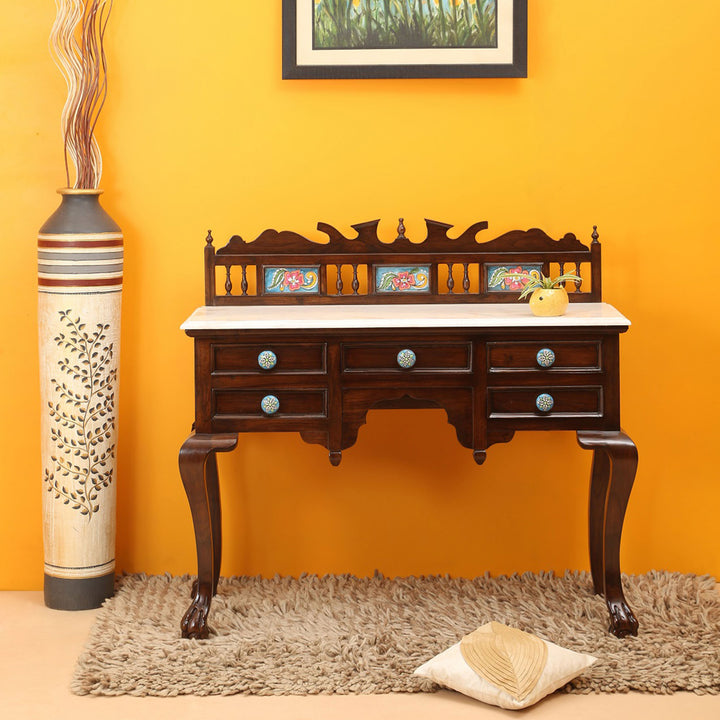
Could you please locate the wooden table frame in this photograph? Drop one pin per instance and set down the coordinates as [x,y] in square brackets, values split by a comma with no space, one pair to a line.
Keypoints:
[326,357]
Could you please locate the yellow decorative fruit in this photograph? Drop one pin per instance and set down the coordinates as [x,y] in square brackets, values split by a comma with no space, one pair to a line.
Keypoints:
[548,302]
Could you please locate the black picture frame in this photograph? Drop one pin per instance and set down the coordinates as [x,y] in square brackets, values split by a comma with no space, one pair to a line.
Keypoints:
[300,60]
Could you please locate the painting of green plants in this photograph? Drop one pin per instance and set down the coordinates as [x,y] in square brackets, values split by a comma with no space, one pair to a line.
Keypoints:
[84,416]
[404,24]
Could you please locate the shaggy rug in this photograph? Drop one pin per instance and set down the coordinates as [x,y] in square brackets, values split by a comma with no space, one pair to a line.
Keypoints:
[342,634]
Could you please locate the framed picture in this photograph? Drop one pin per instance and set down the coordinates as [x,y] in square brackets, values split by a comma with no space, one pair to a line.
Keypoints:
[404,38]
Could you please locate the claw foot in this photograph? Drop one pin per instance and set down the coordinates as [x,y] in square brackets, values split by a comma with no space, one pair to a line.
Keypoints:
[194,622]
[622,620]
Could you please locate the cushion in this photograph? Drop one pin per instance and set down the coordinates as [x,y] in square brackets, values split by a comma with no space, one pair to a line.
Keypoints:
[504,666]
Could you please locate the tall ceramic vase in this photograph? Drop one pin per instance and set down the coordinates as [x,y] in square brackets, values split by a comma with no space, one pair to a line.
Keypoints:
[80,271]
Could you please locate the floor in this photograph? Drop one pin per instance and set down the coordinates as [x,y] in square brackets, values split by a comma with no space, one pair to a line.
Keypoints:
[38,648]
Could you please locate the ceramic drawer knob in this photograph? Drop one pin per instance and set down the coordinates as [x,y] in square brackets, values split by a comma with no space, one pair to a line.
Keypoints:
[544,402]
[545,357]
[270,404]
[267,359]
[406,358]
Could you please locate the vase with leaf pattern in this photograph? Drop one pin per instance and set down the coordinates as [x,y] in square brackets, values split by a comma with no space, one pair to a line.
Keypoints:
[80,275]
[80,272]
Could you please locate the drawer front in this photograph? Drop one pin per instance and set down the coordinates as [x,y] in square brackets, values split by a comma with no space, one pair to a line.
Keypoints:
[277,358]
[424,356]
[581,401]
[544,356]
[240,404]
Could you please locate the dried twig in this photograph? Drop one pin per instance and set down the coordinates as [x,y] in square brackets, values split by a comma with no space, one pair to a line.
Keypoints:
[77,46]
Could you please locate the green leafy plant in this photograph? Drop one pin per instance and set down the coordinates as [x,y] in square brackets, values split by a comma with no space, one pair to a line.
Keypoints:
[531,283]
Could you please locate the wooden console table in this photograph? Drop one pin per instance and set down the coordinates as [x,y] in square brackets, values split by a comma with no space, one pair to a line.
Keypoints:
[319,334]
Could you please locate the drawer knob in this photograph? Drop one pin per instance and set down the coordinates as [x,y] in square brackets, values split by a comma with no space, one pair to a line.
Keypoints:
[270,404]
[544,402]
[267,359]
[545,357]
[406,358]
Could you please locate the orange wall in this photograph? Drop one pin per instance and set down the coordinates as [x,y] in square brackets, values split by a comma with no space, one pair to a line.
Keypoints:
[616,125]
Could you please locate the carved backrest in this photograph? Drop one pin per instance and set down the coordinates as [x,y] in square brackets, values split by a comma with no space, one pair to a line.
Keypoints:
[287,268]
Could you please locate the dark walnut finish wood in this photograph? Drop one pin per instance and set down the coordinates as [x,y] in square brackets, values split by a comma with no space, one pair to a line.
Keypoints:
[198,469]
[487,379]
[347,266]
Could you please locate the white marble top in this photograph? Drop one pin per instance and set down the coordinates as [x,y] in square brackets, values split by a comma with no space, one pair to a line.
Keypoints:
[488,315]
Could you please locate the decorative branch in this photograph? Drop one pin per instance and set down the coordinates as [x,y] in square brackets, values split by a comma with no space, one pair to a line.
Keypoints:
[84,417]
[77,46]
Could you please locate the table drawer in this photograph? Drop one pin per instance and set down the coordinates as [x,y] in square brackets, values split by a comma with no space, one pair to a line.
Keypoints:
[271,403]
[277,358]
[534,402]
[393,357]
[544,355]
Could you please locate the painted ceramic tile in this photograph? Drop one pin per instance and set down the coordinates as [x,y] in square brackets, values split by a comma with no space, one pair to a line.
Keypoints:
[402,278]
[498,283]
[291,279]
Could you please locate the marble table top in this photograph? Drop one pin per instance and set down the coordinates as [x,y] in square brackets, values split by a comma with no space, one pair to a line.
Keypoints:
[487,315]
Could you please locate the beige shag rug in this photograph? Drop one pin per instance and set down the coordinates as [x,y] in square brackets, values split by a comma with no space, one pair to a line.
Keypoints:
[342,634]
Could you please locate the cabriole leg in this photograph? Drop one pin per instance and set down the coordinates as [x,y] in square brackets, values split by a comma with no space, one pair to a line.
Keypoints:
[213,492]
[614,466]
[198,469]
[599,484]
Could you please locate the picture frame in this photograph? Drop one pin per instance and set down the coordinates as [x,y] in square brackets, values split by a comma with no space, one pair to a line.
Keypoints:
[354,39]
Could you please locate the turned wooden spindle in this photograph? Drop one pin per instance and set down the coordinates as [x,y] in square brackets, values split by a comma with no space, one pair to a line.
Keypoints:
[209,269]
[450,280]
[243,280]
[339,283]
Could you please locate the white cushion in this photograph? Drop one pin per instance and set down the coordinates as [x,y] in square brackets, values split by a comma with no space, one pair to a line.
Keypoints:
[450,670]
